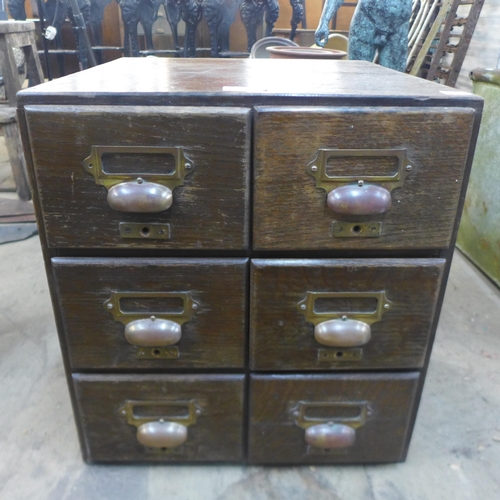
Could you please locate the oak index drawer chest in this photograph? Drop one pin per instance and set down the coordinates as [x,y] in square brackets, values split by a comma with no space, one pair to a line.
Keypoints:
[247,258]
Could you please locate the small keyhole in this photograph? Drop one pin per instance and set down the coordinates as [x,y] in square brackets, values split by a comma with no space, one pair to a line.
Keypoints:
[156,352]
[145,231]
[339,354]
[356,229]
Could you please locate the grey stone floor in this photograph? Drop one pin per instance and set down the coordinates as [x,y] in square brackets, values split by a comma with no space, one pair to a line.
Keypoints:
[454,454]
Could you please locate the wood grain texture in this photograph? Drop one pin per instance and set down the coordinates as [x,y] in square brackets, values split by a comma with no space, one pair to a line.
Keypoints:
[275,438]
[159,81]
[216,436]
[214,338]
[281,339]
[291,213]
[210,211]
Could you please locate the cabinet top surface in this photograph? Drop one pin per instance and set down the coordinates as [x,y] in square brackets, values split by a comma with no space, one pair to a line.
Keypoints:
[154,80]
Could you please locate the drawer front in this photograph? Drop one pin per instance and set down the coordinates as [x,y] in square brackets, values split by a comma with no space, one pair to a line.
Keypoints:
[152,313]
[342,314]
[161,418]
[392,177]
[108,180]
[330,419]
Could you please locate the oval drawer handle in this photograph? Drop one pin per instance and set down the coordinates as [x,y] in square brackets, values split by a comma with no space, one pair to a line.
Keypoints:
[363,199]
[358,195]
[138,193]
[330,436]
[153,332]
[139,197]
[343,332]
[162,434]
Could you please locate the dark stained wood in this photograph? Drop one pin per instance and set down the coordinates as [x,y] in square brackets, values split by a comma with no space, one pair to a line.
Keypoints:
[214,338]
[160,81]
[281,339]
[317,103]
[275,438]
[291,213]
[216,436]
[210,211]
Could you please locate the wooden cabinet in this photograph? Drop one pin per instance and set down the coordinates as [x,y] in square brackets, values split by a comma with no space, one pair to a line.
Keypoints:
[201,155]
[117,313]
[361,418]
[201,414]
[416,155]
[247,258]
[307,314]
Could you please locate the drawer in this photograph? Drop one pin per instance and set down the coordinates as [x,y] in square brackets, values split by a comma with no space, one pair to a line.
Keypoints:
[300,419]
[342,314]
[409,164]
[112,168]
[161,418]
[152,313]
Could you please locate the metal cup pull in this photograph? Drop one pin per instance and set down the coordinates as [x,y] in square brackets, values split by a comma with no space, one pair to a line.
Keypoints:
[163,328]
[330,436]
[162,434]
[362,199]
[343,332]
[139,197]
[337,328]
[150,332]
[139,192]
[330,425]
[166,431]
[359,194]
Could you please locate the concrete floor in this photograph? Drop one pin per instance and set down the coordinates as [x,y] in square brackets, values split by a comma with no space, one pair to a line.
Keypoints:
[454,454]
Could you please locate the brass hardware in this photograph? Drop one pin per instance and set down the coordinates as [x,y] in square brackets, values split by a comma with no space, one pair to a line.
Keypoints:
[383,304]
[336,355]
[138,192]
[354,194]
[186,420]
[188,310]
[356,229]
[329,183]
[158,353]
[336,408]
[144,231]
[341,329]
[152,330]
[155,432]
[93,165]
[333,430]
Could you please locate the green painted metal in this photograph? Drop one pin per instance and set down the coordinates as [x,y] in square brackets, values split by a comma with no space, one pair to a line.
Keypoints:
[479,234]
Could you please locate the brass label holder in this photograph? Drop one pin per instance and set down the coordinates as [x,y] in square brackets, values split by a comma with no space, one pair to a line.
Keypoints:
[93,165]
[317,168]
[306,307]
[189,308]
[299,412]
[193,411]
